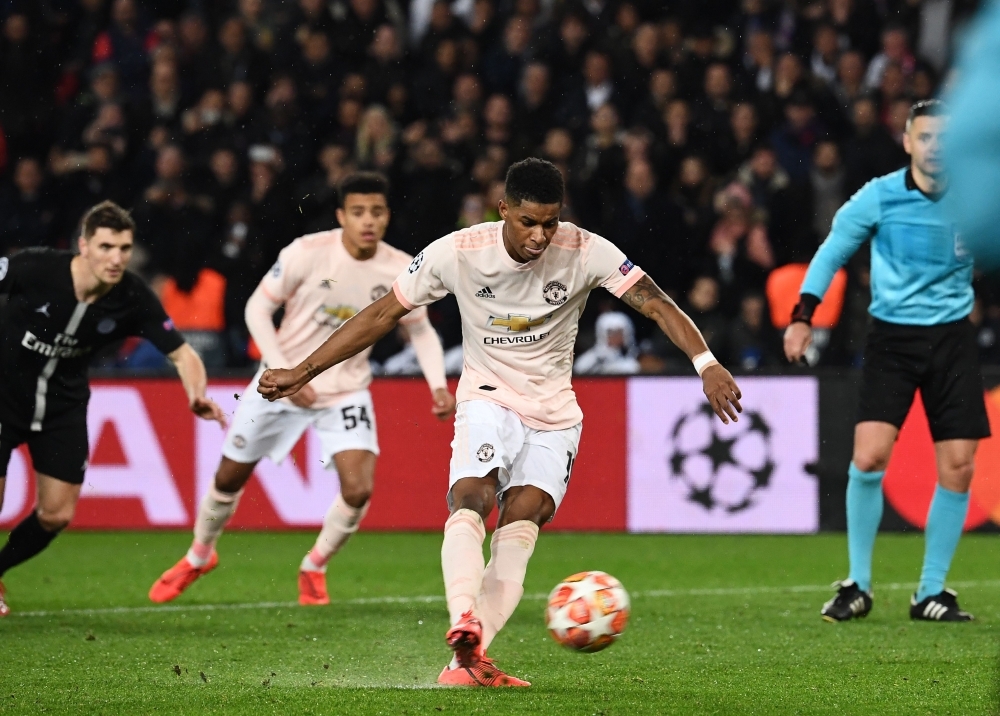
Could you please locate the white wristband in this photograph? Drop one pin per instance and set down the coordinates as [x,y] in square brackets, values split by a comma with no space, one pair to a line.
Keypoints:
[703,360]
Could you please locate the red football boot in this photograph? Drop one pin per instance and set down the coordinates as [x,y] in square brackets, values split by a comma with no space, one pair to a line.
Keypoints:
[4,609]
[175,580]
[484,673]
[464,639]
[312,588]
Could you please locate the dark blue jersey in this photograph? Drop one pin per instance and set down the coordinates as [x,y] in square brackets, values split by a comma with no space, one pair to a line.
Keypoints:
[47,337]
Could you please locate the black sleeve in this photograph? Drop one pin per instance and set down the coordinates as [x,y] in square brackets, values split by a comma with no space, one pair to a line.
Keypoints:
[152,322]
[12,270]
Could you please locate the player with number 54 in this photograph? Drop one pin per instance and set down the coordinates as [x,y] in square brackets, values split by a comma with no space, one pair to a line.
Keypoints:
[322,280]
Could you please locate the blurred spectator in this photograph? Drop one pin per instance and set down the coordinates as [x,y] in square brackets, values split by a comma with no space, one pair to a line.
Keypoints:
[385,66]
[795,138]
[849,85]
[662,88]
[739,244]
[615,351]
[826,181]
[536,108]
[647,226]
[126,44]
[237,60]
[734,147]
[871,152]
[27,213]
[174,225]
[895,51]
[826,50]
[376,140]
[162,106]
[751,341]
[502,65]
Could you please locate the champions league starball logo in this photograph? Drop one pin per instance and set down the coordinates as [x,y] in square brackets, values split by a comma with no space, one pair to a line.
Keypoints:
[723,467]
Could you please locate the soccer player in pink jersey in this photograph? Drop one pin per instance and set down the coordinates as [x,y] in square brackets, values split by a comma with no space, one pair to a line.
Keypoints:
[322,280]
[521,285]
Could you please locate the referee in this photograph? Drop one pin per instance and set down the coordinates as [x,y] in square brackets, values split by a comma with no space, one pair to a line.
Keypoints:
[921,283]
[60,310]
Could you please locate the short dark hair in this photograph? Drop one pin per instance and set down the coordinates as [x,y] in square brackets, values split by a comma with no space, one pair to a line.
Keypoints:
[362,183]
[536,180]
[106,215]
[926,108]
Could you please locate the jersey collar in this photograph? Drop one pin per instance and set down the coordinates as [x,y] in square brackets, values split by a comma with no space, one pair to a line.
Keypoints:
[911,185]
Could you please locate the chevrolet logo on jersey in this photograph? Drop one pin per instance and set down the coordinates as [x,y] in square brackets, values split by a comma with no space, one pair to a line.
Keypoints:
[517,324]
[335,316]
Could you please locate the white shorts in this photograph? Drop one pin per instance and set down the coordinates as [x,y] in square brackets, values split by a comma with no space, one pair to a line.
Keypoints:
[489,436]
[261,428]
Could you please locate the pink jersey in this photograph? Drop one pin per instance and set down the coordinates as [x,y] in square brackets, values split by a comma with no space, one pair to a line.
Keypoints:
[519,321]
[322,286]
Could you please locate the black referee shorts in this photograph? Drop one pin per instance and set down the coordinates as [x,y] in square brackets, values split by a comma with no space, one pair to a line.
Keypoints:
[59,450]
[942,361]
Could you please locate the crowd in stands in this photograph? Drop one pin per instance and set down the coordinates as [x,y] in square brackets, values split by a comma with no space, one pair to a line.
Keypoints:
[713,141]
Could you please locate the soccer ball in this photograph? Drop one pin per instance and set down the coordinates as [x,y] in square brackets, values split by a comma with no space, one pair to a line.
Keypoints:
[588,611]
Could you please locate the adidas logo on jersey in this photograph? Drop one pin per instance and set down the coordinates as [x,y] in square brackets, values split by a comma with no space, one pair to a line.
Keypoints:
[485,292]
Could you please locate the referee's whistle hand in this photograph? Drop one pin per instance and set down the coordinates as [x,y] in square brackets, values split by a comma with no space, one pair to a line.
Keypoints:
[798,337]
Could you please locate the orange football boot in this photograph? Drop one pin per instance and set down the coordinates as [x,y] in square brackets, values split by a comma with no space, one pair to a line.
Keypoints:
[464,639]
[4,609]
[312,588]
[175,580]
[484,673]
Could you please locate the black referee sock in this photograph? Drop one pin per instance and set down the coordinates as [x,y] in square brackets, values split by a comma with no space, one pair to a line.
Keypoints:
[25,541]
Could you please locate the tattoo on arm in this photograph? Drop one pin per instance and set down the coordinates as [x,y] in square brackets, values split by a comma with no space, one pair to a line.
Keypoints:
[645,290]
[312,371]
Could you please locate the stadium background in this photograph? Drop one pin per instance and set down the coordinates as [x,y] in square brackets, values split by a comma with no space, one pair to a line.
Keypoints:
[712,141]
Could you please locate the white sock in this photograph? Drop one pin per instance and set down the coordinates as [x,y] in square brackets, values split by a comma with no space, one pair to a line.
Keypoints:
[340,523]
[213,513]
[462,561]
[503,582]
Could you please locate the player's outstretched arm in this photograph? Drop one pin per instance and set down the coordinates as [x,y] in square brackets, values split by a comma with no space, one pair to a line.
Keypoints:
[721,390]
[354,336]
[192,373]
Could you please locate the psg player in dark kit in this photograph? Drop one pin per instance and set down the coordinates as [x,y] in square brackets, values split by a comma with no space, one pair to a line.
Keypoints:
[61,308]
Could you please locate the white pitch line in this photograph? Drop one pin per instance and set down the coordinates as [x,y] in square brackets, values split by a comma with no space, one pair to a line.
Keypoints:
[433,599]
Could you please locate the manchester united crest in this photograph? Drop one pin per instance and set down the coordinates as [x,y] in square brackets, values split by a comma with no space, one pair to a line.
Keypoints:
[555,293]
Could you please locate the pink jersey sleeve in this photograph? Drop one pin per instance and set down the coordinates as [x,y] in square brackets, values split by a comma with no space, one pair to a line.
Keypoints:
[286,275]
[607,266]
[430,276]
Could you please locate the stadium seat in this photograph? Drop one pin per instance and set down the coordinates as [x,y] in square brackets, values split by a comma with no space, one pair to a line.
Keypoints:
[783,286]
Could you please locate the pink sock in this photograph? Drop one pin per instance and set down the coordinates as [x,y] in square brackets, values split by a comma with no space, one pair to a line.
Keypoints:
[340,523]
[462,561]
[214,511]
[503,582]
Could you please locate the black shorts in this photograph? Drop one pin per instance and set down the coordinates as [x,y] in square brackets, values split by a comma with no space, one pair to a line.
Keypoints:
[942,361]
[59,450]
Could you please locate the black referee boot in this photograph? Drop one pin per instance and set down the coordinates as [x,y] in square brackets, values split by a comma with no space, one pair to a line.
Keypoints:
[941,607]
[851,602]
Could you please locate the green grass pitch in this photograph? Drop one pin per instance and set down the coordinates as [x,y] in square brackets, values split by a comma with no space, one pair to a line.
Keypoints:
[723,625]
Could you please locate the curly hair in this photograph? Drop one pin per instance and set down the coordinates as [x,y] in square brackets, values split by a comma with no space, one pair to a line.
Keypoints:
[535,180]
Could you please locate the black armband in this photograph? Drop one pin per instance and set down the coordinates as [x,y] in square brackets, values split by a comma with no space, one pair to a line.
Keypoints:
[804,309]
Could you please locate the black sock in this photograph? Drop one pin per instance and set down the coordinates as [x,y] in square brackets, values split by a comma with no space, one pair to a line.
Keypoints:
[25,541]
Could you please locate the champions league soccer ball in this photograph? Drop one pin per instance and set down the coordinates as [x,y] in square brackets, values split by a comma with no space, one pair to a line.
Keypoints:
[588,611]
